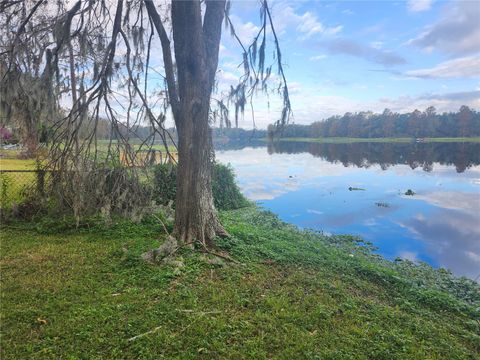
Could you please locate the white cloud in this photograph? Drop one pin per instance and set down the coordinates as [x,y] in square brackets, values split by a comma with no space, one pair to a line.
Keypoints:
[312,104]
[294,88]
[442,102]
[245,31]
[317,57]
[307,24]
[334,30]
[313,211]
[419,5]
[409,255]
[309,106]
[457,32]
[466,67]
[453,200]
[258,184]
[350,47]
[225,79]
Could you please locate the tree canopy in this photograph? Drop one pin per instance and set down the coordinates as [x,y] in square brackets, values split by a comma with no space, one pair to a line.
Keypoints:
[419,124]
[131,63]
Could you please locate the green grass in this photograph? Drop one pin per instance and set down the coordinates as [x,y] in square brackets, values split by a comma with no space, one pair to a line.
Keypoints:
[103,145]
[335,140]
[12,185]
[83,293]
[17,164]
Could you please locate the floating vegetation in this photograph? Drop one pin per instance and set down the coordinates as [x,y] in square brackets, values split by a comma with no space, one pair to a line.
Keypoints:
[382,204]
[409,192]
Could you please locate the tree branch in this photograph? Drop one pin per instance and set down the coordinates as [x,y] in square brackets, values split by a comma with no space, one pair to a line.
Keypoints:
[167,55]
[212,30]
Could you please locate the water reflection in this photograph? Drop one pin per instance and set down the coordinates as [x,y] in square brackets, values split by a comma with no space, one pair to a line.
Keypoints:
[423,155]
[308,185]
[451,231]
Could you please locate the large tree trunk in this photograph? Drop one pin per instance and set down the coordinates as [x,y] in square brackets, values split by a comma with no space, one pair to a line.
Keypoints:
[196,51]
[195,214]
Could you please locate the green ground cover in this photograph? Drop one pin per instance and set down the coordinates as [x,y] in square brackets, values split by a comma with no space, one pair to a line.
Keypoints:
[84,293]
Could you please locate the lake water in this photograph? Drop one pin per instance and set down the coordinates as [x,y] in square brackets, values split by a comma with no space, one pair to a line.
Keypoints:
[312,186]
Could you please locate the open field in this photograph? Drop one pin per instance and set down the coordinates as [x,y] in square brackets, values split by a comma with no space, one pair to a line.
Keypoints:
[17,164]
[382,140]
[12,184]
[84,293]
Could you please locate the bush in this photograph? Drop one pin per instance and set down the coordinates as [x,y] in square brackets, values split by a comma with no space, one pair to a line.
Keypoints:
[165,188]
[226,194]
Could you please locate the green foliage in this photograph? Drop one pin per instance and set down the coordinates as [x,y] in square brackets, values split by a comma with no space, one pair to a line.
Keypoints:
[85,294]
[165,187]
[226,194]
[416,124]
[5,183]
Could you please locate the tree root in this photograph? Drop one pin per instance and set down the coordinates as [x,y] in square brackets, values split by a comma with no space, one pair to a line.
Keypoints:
[171,246]
[222,256]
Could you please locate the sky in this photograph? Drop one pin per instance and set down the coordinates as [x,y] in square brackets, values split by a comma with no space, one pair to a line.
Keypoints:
[348,56]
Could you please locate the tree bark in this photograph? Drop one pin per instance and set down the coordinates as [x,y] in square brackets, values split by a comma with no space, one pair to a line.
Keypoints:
[195,214]
[196,51]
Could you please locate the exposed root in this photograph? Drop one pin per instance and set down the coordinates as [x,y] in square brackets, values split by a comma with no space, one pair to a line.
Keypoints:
[171,246]
[168,248]
[223,256]
[221,232]
[161,222]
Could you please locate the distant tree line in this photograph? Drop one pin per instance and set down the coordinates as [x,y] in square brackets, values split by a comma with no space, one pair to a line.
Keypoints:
[233,138]
[236,134]
[418,124]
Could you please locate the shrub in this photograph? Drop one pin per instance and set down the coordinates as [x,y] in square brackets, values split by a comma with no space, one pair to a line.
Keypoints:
[165,188]
[226,194]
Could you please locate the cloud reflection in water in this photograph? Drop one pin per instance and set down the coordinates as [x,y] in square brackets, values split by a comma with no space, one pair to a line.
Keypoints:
[440,224]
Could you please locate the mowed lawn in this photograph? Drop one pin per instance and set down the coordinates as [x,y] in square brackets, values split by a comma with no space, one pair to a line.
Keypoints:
[84,293]
[12,184]
[17,164]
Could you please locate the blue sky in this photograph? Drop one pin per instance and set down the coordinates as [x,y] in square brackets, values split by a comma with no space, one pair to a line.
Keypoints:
[365,55]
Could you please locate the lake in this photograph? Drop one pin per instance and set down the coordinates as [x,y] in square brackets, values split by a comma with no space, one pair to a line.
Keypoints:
[361,188]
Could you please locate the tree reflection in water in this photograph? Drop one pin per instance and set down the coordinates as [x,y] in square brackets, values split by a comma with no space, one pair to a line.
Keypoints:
[424,155]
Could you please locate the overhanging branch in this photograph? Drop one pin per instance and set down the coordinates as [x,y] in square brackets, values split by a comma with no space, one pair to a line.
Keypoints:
[167,55]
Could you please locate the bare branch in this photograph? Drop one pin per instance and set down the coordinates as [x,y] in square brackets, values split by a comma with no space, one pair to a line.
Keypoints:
[167,55]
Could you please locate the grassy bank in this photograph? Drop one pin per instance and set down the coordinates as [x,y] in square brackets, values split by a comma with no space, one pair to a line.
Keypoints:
[340,140]
[84,293]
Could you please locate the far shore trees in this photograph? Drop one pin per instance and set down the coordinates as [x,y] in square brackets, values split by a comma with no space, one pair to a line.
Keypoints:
[416,124]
